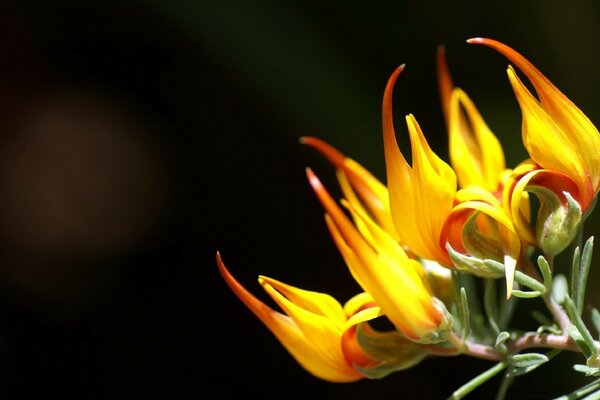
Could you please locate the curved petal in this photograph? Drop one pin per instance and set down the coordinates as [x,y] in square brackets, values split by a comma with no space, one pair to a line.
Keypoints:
[566,116]
[306,352]
[421,196]
[383,270]
[475,152]
[354,178]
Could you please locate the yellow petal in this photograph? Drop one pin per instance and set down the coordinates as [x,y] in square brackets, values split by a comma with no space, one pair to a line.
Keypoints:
[385,272]
[567,116]
[475,153]
[421,196]
[323,334]
[315,302]
[548,145]
[291,336]
[354,178]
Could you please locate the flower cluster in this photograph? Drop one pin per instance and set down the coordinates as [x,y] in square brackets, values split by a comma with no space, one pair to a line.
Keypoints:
[404,242]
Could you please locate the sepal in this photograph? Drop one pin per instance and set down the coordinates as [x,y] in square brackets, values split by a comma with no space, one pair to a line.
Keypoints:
[392,349]
[472,265]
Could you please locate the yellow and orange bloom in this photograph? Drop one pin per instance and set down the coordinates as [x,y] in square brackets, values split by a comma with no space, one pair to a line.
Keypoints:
[360,188]
[563,142]
[478,225]
[321,334]
[475,153]
[432,216]
[382,268]
[421,195]
[313,327]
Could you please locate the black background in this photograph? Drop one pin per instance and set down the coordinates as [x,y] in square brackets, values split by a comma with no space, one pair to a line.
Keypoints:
[109,287]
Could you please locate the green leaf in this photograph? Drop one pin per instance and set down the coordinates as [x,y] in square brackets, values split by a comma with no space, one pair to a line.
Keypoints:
[584,270]
[479,380]
[582,391]
[589,348]
[546,271]
[575,266]
[595,317]
[528,359]
[490,304]
[465,323]
[581,343]
[588,371]
[518,371]
[520,277]
[502,338]
[527,295]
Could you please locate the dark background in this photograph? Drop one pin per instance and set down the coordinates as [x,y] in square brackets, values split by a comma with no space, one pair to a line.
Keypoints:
[138,138]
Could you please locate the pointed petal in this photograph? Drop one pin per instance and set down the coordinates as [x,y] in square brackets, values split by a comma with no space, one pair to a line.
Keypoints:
[445,84]
[353,176]
[475,152]
[567,116]
[420,197]
[548,145]
[290,335]
[315,302]
[390,276]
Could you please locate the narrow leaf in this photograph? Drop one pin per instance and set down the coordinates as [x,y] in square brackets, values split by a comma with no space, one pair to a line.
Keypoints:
[546,271]
[490,304]
[584,270]
[480,379]
[501,340]
[595,317]
[464,314]
[582,391]
[529,359]
[588,371]
[527,295]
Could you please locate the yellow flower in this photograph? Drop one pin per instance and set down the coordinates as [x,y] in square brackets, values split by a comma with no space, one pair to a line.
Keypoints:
[315,329]
[565,149]
[478,224]
[475,153]
[421,195]
[373,196]
[382,268]
[557,135]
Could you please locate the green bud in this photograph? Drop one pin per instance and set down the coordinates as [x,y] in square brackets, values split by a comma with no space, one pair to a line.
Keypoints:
[557,224]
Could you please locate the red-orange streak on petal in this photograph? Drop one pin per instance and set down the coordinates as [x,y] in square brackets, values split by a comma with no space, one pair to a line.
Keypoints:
[353,353]
[332,154]
[552,102]
[260,309]
[392,152]
[445,84]
[337,159]
[452,230]
[556,183]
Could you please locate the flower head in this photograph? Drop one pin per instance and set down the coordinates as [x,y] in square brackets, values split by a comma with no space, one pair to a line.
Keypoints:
[312,327]
[421,195]
[323,336]
[382,268]
[563,143]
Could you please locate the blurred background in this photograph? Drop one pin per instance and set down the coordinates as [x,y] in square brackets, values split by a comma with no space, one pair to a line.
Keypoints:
[138,138]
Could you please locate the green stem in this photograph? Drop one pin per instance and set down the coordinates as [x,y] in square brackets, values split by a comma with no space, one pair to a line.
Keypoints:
[562,342]
[476,350]
[480,379]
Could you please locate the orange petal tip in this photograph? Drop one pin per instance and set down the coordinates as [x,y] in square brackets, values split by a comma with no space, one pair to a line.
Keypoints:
[331,153]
